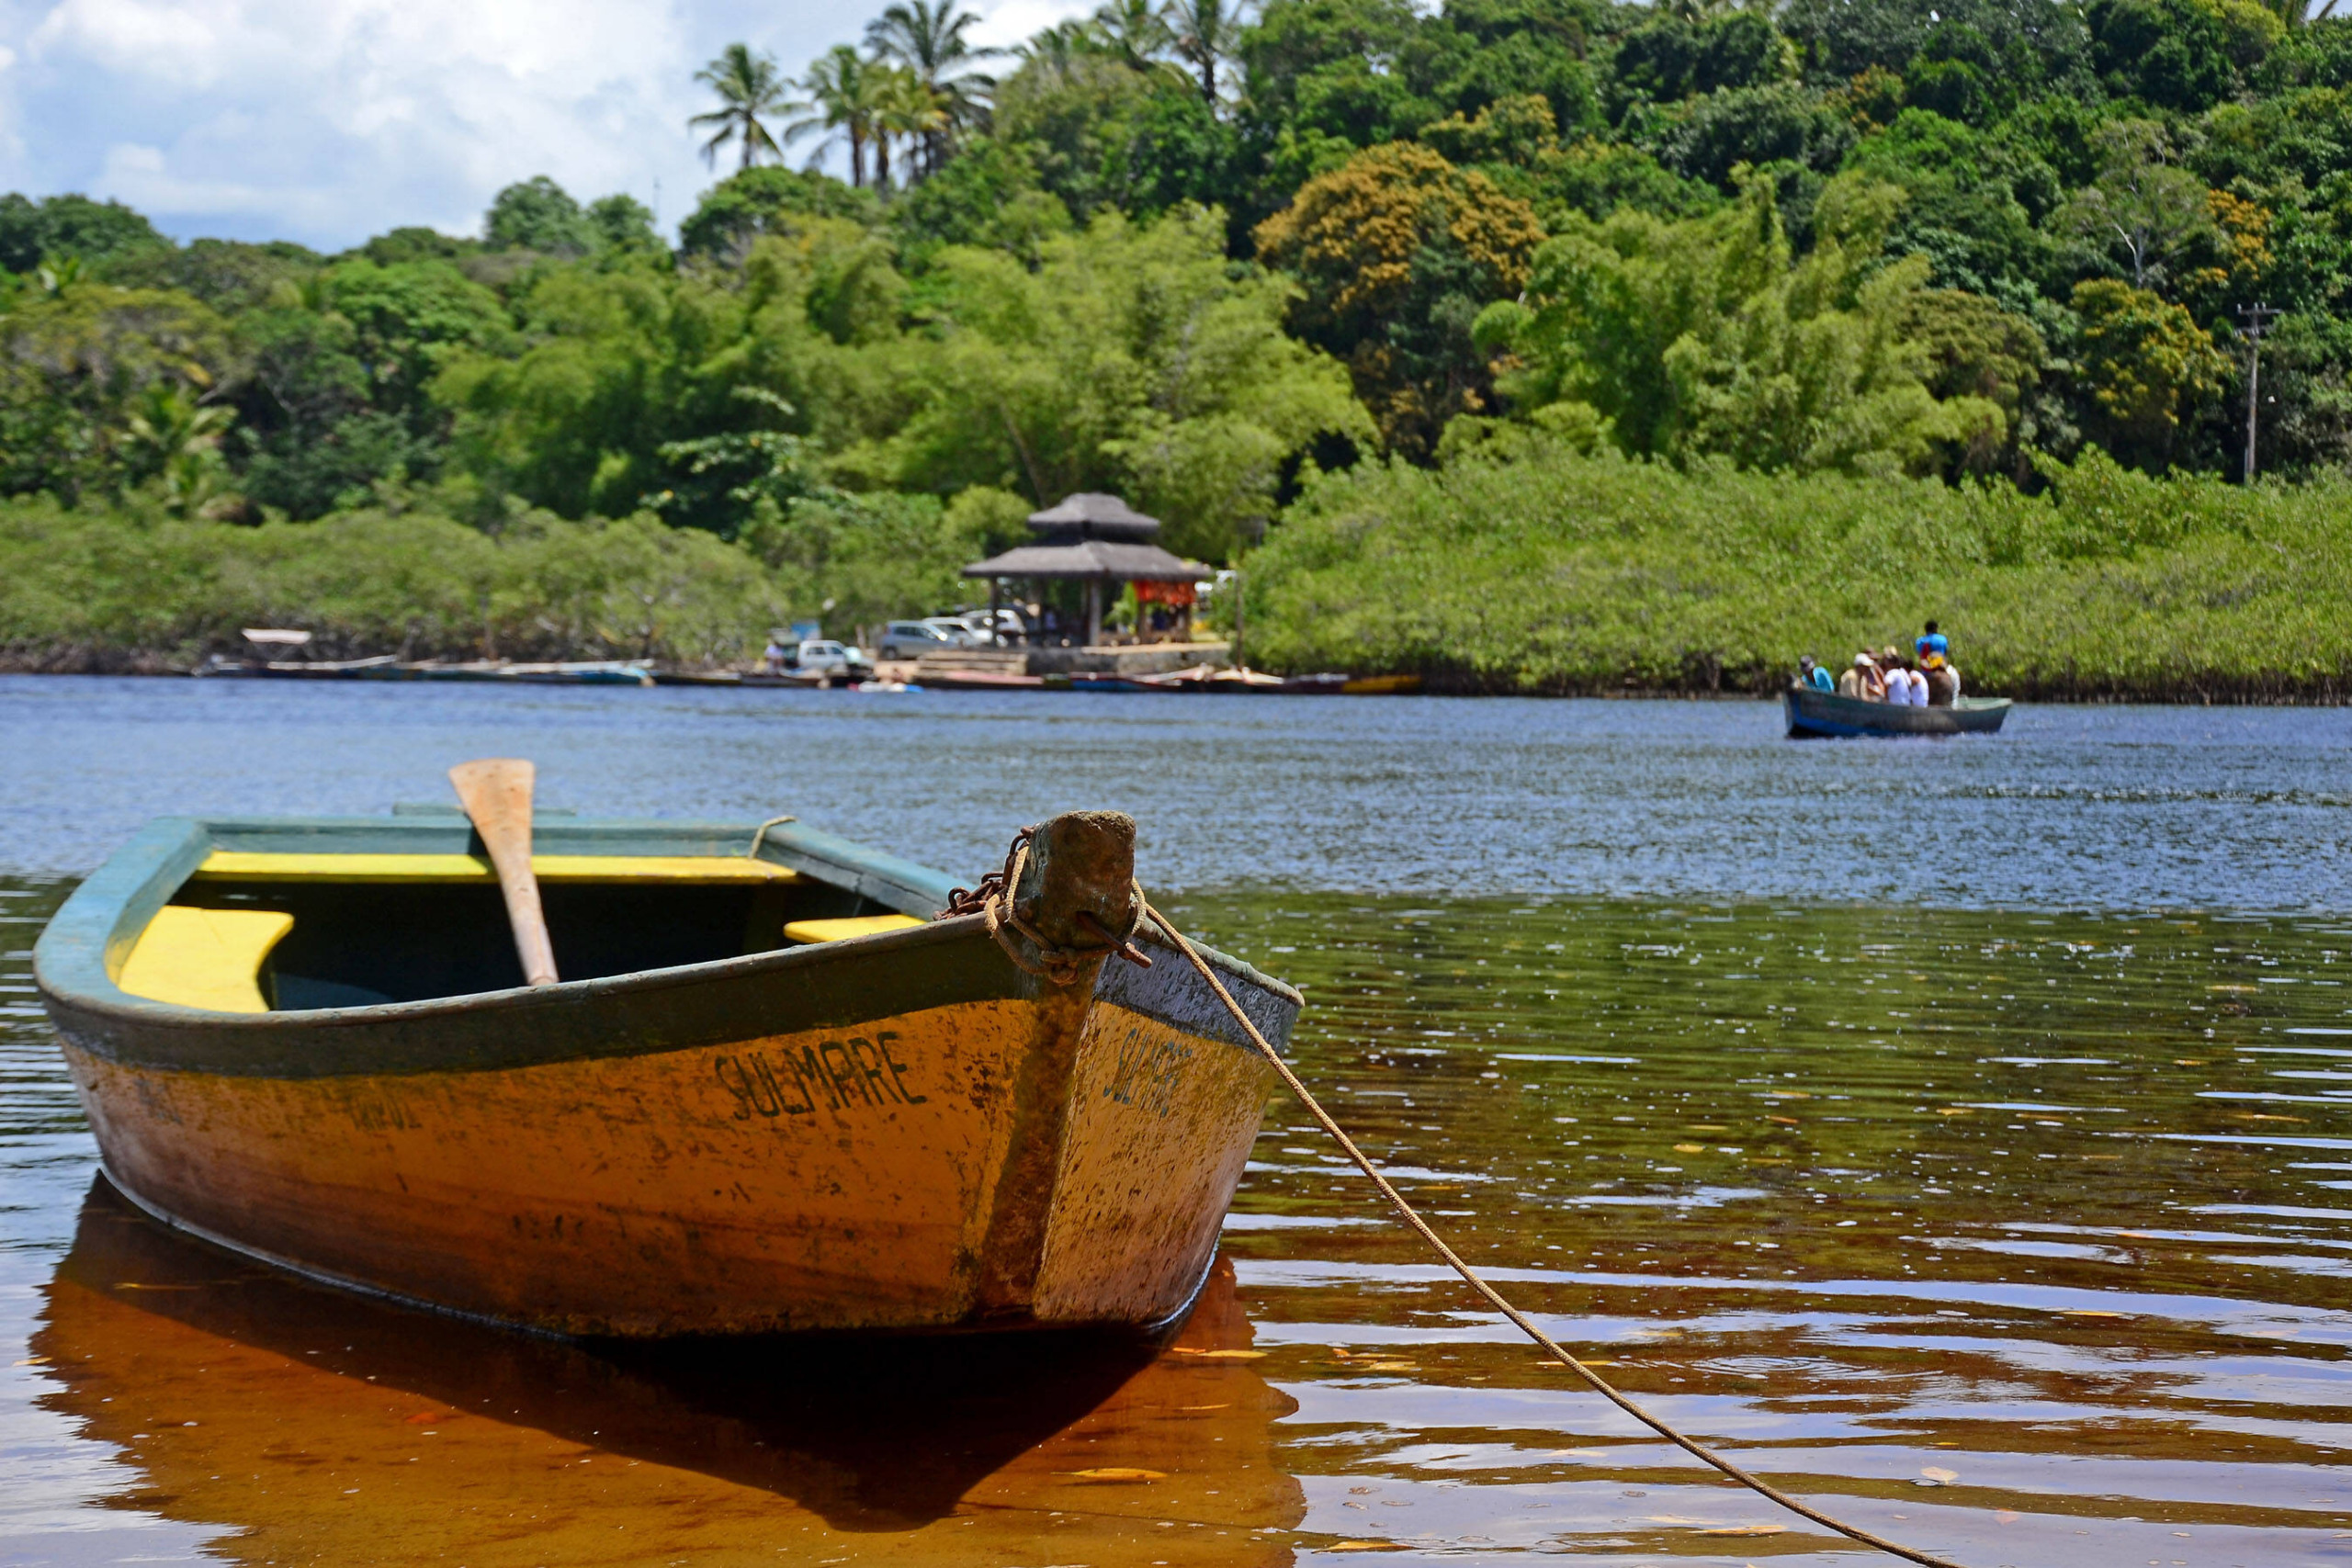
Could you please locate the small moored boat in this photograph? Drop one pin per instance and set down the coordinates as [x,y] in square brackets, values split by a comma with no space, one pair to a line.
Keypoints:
[1815,714]
[775,1089]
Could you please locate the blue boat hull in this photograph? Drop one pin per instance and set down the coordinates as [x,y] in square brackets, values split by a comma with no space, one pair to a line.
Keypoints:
[1822,714]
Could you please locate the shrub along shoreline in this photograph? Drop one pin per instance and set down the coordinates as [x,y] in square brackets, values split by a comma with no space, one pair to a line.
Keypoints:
[1541,571]
[1525,568]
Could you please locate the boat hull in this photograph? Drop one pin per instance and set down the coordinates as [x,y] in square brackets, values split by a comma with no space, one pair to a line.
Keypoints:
[903,1131]
[1822,714]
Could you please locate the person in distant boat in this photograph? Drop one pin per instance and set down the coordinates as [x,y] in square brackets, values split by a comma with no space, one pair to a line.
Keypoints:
[1860,679]
[1934,651]
[1898,679]
[1814,675]
[1943,684]
[772,658]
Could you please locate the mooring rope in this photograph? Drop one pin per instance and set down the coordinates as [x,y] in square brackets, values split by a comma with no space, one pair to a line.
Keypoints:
[1599,1384]
[992,899]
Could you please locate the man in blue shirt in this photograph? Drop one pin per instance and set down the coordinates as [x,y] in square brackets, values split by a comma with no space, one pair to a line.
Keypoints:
[1935,662]
[1814,675]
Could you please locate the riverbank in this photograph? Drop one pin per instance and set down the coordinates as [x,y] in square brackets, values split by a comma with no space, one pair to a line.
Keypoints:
[106,593]
[1535,573]
[1556,574]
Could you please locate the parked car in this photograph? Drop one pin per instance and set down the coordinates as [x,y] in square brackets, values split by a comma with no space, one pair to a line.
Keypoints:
[1005,632]
[954,629]
[911,639]
[826,658]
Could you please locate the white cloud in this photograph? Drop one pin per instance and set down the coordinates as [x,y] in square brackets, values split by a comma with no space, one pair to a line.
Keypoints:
[328,120]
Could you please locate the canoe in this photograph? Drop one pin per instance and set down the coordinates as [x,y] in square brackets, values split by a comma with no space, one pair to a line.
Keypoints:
[772,1092]
[1815,714]
[979,681]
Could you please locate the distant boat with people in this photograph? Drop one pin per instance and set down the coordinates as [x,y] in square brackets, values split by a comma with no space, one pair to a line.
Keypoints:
[1817,714]
[1888,692]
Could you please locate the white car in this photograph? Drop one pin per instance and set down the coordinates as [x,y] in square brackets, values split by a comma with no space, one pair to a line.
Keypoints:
[955,629]
[831,658]
[1005,631]
[911,639]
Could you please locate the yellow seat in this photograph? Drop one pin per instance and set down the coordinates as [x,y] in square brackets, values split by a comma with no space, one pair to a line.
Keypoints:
[238,865]
[841,930]
[204,958]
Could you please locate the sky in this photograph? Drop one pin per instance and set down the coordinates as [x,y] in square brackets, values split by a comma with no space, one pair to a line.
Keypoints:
[326,122]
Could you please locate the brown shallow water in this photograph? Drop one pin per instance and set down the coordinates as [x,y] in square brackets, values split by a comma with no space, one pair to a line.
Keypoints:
[2027,1238]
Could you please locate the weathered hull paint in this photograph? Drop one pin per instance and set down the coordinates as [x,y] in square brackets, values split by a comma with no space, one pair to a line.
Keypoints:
[1817,715]
[933,1141]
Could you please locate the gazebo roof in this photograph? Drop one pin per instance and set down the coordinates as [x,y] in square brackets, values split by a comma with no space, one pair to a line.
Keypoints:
[1091,515]
[1092,535]
[1108,560]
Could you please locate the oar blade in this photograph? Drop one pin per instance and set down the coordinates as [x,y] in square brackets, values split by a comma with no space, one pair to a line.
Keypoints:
[496,794]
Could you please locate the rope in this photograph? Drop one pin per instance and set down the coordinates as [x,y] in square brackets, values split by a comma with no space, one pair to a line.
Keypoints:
[992,900]
[1494,1298]
[761,837]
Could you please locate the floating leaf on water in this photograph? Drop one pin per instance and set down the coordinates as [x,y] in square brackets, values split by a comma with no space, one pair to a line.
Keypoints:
[1937,1473]
[1218,1355]
[1362,1546]
[1390,1367]
[1785,1121]
[1116,1473]
[2090,1311]
[1689,1148]
[1747,1529]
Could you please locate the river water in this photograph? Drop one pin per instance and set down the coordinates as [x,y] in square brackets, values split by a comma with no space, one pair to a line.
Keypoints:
[1957,1132]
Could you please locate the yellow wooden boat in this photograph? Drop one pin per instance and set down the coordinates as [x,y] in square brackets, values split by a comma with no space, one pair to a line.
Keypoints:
[775,1091]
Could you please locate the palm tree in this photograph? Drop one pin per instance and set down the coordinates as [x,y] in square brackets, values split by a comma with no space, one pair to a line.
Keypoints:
[842,89]
[1136,30]
[174,438]
[1207,31]
[904,107]
[1056,51]
[926,37]
[749,85]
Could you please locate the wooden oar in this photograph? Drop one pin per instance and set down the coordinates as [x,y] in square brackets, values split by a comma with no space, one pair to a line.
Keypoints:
[496,792]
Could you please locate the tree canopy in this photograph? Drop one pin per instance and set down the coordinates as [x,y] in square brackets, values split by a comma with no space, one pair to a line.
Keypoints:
[1199,252]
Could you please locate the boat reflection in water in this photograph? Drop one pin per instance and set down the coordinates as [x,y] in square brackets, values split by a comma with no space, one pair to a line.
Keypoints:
[317,1425]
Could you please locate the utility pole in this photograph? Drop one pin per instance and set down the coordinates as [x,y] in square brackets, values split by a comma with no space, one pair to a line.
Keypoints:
[2255,319]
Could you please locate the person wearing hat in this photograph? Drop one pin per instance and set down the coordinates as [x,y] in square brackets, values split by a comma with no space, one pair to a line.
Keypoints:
[1861,680]
[1904,685]
[1812,674]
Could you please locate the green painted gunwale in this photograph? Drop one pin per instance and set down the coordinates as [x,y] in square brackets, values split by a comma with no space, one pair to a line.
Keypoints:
[831,985]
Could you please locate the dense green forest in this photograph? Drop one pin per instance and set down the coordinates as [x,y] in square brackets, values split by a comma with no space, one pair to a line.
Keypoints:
[1281,264]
